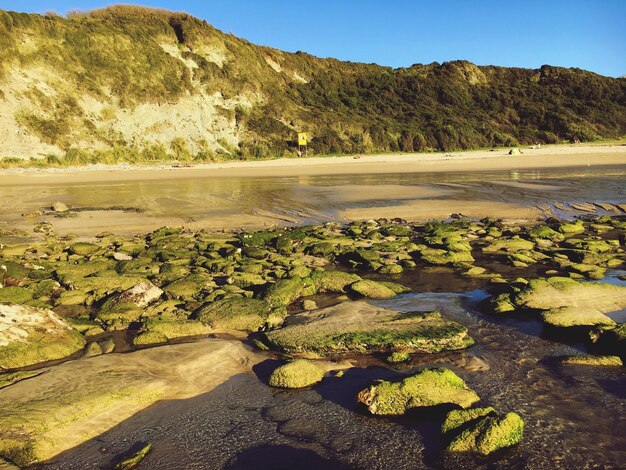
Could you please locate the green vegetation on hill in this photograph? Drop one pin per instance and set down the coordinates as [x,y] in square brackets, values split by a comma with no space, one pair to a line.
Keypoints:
[117,57]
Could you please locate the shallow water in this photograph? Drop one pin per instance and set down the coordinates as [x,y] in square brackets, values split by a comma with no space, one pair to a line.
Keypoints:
[232,202]
[573,414]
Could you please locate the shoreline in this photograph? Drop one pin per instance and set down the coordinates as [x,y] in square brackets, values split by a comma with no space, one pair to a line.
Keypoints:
[556,156]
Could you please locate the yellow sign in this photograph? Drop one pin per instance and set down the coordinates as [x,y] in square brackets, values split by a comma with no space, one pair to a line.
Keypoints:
[301,138]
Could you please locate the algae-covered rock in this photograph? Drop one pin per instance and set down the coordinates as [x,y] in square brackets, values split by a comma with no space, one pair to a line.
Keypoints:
[430,387]
[575,316]
[510,245]
[30,335]
[546,233]
[296,374]
[391,269]
[572,228]
[441,257]
[589,360]
[149,338]
[79,400]
[173,329]
[286,291]
[398,356]
[237,313]
[333,281]
[14,294]
[358,327]
[482,431]
[565,302]
[457,418]
[84,248]
[372,289]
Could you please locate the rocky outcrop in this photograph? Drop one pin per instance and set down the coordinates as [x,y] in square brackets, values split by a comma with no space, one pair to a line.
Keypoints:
[358,327]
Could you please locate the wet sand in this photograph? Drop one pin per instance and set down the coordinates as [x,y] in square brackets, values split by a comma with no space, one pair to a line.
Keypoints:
[258,194]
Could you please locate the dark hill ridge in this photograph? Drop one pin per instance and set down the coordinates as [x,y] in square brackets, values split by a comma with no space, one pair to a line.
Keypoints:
[131,83]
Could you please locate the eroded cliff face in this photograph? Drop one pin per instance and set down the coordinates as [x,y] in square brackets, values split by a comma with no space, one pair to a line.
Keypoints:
[129,84]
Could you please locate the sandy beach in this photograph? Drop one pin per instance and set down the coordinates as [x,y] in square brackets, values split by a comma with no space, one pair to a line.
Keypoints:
[553,156]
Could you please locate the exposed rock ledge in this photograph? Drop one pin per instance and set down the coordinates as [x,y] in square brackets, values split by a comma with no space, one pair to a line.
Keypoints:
[79,400]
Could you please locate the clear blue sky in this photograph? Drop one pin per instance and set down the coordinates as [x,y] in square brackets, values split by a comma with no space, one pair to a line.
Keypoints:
[590,34]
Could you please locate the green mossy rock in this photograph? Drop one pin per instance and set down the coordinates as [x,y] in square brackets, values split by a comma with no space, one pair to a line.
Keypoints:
[372,289]
[237,313]
[358,327]
[149,338]
[173,329]
[333,281]
[30,335]
[16,295]
[430,387]
[489,434]
[391,269]
[546,233]
[511,245]
[572,229]
[589,360]
[84,248]
[564,302]
[441,257]
[286,291]
[458,418]
[297,374]
[398,356]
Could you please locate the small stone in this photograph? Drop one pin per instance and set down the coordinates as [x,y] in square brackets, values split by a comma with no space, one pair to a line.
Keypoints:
[309,305]
[59,207]
[122,257]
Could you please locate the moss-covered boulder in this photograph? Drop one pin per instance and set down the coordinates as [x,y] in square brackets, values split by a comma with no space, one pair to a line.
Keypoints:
[296,374]
[358,327]
[149,338]
[173,329]
[333,281]
[239,314]
[372,289]
[84,249]
[398,356]
[482,430]
[546,233]
[430,387]
[565,302]
[286,291]
[14,294]
[572,228]
[509,245]
[441,257]
[30,335]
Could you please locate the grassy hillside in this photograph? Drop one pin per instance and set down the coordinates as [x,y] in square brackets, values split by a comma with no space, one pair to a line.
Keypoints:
[129,83]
